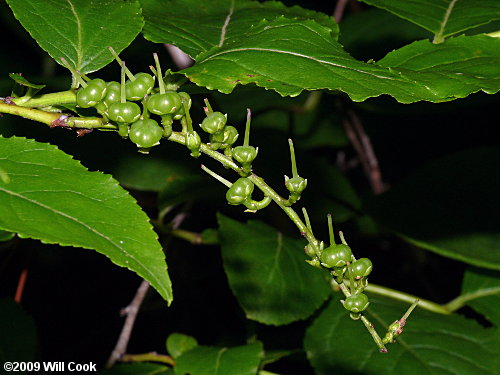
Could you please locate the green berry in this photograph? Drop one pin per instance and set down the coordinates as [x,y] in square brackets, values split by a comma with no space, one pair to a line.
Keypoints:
[356,303]
[361,268]
[127,112]
[139,87]
[163,104]
[245,154]
[145,133]
[180,111]
[240,191]
[92,94]
[112,93]
[230,135]
[214,122]
[295,185]
[336,256]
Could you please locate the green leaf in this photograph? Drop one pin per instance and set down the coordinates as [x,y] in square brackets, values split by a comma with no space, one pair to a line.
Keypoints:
[449,207]
[374,32]
[196,27]
[80,30]
[482,290]
[290,56]
[6,236]
[430,344]
[137,369]
[205,360]
[17,333]
[19,79]
[149,173]
[53,198]
[455,69]
[443,17]
[267,273]
[178,344]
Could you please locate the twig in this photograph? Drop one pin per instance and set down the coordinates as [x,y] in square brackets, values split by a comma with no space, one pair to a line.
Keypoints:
[339,10]
[180,59]
[362,144]
[131,312]
[20,285]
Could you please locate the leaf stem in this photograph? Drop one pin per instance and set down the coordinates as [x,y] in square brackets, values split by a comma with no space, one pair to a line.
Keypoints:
[405,297]
[56,98]
[462,300]
[32,114]
[148,357]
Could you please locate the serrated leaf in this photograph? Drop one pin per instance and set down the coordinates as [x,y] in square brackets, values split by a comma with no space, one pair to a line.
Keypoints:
[53,198]
[455,68]
[19,79]
[430,344]
[449,207]
[482,290]
[267,273]
[80,30]
[196,27]
[443,17]
[205,360]
[290,56]
[17,333]
[137,369]
[178,344]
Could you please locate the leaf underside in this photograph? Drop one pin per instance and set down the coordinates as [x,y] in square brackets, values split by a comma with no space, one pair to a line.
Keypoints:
[50,197]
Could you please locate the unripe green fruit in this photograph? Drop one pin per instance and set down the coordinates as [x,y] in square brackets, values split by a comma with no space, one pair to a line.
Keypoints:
[214,122]
[295,185]
[230,135]
[145,133]
[163,104]
[240,191]
[127,112]
[356,303]
[245,154]
[361,268]
[140,87]
[336,256]
[112,93]
[180,111]
[92,94]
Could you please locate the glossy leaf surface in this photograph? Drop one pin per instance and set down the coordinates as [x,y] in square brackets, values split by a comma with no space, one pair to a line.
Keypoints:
[430,344]
[196,27]
[449,207]
[268,274]
[290,56]
[443,17]
[482,289]
[80,30]
[205,360]
[53,198]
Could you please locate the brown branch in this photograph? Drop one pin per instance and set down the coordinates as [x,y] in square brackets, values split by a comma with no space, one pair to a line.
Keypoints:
[20,285]
[339,10]
[131,312]
[362,144]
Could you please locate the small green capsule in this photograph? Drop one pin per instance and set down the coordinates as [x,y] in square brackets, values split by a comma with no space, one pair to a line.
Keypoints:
[356,303]
[240,191]
[336,256]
